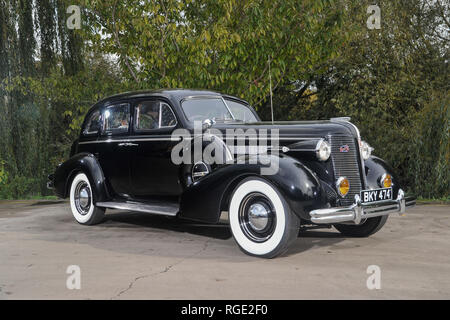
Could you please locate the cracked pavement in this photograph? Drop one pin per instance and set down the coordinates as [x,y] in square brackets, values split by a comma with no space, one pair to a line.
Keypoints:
[139,256]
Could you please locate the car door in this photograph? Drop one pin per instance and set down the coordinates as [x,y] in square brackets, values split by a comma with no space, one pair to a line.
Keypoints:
[114,149]
[152,171]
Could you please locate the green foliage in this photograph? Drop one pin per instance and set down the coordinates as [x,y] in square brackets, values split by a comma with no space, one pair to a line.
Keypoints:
[388,82]
[393,82]
[430,150]
[20,188]
[3,173]
[223,45]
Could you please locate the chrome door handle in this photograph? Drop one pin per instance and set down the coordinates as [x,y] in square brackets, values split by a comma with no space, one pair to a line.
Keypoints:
[127,144]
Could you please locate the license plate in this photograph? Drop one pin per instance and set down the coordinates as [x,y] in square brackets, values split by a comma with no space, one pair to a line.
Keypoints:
[376,195]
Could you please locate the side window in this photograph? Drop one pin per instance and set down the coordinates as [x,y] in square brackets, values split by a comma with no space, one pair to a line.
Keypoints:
[154,115]
[117,118]
[94,124]
[167,117]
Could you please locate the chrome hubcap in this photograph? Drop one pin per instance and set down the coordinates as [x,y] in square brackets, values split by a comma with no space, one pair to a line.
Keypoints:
[82,198]
[257,217]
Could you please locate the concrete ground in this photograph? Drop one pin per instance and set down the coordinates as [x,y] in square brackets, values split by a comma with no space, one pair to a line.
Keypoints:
[139,256]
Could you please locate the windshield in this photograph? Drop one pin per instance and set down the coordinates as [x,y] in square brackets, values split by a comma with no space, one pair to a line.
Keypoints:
[206,108]
[200,109]
[241,111]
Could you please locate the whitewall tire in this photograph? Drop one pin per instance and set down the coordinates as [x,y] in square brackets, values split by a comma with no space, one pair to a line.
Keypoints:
[82,201]
[261,221]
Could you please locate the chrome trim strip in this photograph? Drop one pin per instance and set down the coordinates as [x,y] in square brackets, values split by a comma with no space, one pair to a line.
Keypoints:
[132,140]
[161,209]
[228,108]
[178,138]
[359,211]
[202,96]
[160,114]
[173,113]
[279,138]
[297,138]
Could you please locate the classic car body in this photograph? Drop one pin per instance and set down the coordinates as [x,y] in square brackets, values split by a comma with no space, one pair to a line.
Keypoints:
[123,159]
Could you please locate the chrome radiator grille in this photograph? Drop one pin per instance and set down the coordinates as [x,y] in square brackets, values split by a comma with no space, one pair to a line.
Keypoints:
[346,164]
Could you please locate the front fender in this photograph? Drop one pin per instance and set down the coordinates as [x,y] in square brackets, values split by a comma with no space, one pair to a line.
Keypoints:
[375,168]
[81,162]
[205,199]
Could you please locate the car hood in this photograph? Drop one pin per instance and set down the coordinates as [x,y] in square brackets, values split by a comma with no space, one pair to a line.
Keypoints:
[287,129]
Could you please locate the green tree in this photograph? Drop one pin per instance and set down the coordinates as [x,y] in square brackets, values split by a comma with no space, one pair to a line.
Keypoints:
[325,62]
[386,80]
[223,45]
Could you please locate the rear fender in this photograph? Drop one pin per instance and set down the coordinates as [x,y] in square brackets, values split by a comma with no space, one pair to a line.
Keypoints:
[89,165]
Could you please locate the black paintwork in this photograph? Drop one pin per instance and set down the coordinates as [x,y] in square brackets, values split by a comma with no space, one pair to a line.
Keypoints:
[299,185]
[81,162]
[145,172]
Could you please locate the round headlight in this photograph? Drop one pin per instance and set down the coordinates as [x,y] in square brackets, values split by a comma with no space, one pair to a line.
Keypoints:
[323,150]
[343,186]
[366,150]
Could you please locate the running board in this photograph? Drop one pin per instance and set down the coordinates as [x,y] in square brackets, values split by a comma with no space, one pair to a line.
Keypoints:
[166,209]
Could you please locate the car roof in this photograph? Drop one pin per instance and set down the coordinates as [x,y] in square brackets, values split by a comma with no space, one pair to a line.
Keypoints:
[175,95]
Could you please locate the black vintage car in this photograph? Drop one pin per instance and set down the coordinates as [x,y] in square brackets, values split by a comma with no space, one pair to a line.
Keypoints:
[128,157]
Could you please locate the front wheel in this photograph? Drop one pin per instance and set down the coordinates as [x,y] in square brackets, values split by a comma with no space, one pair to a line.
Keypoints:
[82,202]
[261,221]
[365,229]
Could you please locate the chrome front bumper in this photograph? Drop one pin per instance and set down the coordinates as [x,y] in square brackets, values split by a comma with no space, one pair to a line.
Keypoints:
[360,211]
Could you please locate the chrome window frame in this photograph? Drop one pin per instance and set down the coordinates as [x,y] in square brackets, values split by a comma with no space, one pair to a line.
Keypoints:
[246,106]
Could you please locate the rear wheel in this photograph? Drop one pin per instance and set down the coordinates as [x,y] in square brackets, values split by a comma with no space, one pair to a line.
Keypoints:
[260,219]
[82,202]
[365,229]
